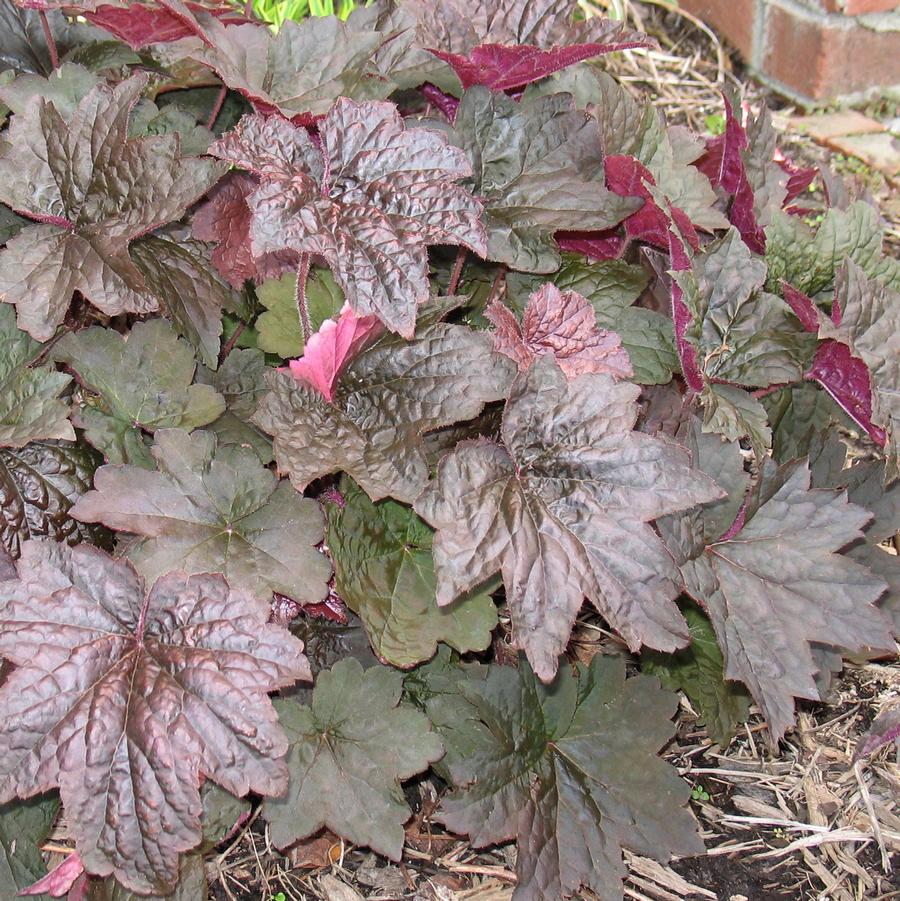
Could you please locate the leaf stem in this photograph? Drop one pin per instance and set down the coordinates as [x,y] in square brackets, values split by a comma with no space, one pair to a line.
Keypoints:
[217,107]
[497,285]
[51,41]
[229,344]
[248,9]
[456,274]
[302,308]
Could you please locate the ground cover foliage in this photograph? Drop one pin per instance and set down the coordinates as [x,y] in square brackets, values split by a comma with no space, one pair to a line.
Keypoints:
[416,323]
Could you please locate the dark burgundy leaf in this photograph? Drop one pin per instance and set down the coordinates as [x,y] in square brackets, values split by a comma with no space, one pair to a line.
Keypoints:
[504,67]
[588,244]
[124,697]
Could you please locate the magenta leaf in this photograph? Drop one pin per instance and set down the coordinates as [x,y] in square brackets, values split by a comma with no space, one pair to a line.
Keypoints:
[590,244]
[503,67]
[562,324]
[332,348]
[59,880]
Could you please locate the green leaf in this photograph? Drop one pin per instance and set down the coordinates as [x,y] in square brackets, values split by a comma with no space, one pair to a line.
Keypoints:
[733,413]
[279,327]
[221,812]
[65,88]
[699,671]
[571,771]
[24,827]
[389,396]
[206,509]
[143,383]
[538,169]
[561,507]
[241,381]
[384,571]
[149,119]
[349,751]
[612,287]
[802,417]
[434,689]
[30,408]
[38,485]
[809,259]
[190,293]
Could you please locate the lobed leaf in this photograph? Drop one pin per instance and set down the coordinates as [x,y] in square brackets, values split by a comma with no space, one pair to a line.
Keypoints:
[560,507]
[93,190]
[143,383]
[206,509]
[388,398]
[123,697]
[571,771]
[349,750]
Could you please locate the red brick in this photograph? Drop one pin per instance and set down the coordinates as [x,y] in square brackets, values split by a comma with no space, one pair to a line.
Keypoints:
[733,19]
[858,7]
[819,56]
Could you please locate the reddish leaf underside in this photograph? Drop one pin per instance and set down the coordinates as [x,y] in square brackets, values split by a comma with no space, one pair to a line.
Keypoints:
[564,325]
[332,348]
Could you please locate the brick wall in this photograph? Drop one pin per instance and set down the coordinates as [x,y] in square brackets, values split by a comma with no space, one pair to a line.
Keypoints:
[812,49]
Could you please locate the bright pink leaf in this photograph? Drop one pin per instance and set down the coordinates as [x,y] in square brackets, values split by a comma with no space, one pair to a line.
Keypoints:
[332,349]
[564,325]
[59,880]
[503,67]
[224,219]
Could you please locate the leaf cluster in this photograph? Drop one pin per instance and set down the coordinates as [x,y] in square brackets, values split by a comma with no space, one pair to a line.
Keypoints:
[347,368]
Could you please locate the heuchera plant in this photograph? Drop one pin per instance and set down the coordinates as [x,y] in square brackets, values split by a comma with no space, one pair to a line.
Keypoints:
[422,323]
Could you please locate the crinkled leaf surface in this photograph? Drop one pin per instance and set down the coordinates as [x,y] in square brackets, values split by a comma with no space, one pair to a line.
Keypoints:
[562,324]
[23,45]
[123,697]
[571,771]
[224,219]
[279,327]
[298,71]
[349,750]
[611,287]
[30,406]
[538,169]
[809,259]
[206,509]
[241,381]
[93,190]
[774,583]
[24,827]
[192,884]
[699,671]
[38,485]
[143,383]
[561,508]
[189,292]
[369,201]
[388,398]
[384,571]
[65,87]
[866,318]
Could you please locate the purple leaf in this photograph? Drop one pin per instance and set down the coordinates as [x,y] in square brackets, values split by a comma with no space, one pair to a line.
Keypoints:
[884,730]
[562,324]
[504,67]
[224,218]
[369,201]
[123,697]
[588,244]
